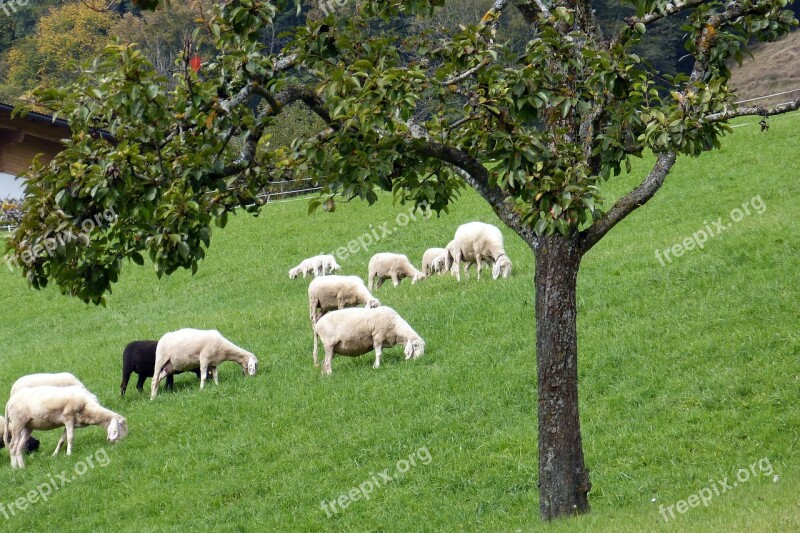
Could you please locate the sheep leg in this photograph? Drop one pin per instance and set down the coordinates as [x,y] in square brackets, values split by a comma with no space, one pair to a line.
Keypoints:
[203,374]
[326,364]
[457,267]
[371,283]
[380,282]
[61,441]
[126,374]
[395,280]
[170,385]
[19,446]
[378,350]
[158,375]
[215,374]
[316,341]
[139,383]
[478,266]
[70,432]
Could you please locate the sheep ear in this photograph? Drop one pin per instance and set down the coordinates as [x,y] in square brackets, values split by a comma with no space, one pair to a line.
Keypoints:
[113,429]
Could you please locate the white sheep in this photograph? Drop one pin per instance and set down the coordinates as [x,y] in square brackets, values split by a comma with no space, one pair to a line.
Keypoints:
[187,349]
[433,260]
[61,379]
[385,266]
[319,265]
[337,292]
[357,331]
[48,407]
[306,266]
[475,242]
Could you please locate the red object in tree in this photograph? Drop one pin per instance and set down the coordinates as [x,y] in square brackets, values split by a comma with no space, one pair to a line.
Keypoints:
[195,63]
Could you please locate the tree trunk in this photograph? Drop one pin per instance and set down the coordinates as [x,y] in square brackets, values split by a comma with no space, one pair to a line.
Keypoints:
[563,478]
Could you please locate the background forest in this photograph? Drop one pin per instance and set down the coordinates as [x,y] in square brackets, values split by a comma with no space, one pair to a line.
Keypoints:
[46,41]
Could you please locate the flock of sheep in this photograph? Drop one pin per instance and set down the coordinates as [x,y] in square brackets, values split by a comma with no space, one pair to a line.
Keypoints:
[355,332]
[51,401]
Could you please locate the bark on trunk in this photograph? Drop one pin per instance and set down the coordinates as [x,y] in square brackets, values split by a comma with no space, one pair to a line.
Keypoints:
[563,478]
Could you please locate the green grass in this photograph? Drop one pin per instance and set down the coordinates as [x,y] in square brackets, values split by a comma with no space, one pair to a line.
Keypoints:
[688,372]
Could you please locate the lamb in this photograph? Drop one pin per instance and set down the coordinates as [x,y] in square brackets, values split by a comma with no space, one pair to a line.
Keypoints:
[61,379]
[306,266]
[474,242]
[140,357]
[48,407]
[187,349]
[319,265]
[31,446]
[433,260]
[355,332]
[384,266]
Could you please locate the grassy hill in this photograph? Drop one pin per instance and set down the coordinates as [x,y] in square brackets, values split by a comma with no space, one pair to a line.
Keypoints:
[774,68]
[689,373]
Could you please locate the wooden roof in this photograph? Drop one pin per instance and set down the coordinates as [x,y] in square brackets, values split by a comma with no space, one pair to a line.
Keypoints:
[21,138]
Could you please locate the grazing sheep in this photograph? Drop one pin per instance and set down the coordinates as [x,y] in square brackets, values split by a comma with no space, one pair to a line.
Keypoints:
[473,243]
[355,332]
[306,266]
[140,357]
[31,446]
[337,292]
[61,379]
[187,349]
[385,266]
[47,407]
[433,260]
[319,265]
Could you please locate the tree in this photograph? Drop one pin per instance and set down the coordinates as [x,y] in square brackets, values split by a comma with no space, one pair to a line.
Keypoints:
[162,35]
[66,35]
[552,123]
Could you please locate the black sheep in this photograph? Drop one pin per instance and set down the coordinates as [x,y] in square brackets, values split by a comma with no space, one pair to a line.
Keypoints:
[31,446]
[140,357]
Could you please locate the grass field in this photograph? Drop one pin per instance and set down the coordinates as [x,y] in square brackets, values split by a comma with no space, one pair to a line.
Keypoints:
[689,372]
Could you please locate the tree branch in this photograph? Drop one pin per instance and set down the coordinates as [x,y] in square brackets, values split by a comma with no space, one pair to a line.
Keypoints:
[489,20]
[754,110]
[476,175]
[649,18]
[628,203]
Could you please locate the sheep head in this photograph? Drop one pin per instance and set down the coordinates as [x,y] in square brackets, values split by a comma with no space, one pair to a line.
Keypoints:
[372,303]
[502,267]
[117,429]
[251,368]
[293,273]
[417,277]
[414,348]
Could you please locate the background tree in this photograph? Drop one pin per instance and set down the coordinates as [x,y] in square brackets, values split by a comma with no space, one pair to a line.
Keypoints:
[162,35]
[66,35]
[552,122]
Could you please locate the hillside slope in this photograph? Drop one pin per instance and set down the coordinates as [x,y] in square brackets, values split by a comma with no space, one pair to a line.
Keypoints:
[774,68]
[689,372]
